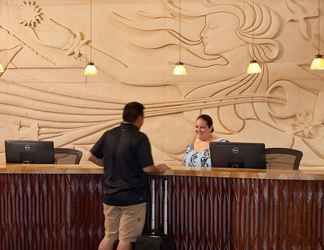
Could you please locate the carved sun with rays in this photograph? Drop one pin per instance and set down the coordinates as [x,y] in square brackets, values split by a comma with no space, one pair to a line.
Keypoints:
[31,14]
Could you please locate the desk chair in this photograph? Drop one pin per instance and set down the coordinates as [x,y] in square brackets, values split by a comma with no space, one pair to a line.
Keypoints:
[67,156]
[283,158]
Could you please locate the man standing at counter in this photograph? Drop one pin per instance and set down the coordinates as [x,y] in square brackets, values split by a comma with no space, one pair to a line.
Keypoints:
[125,153]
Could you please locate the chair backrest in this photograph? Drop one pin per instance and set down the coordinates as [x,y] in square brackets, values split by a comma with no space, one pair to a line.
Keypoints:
[67,156]
[283,158]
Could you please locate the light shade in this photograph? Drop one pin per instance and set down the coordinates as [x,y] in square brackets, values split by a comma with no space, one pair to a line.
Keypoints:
[317,63]
[90,70]
[179,69]
[254,67]
[1,68]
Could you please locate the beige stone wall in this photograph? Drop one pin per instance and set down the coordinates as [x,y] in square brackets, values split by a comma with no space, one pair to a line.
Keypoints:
[45,45]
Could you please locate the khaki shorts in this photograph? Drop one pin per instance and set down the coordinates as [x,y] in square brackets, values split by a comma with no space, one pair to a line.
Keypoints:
[125,223]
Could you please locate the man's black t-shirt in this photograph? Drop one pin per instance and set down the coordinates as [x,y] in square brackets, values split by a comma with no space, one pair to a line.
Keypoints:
[125,151]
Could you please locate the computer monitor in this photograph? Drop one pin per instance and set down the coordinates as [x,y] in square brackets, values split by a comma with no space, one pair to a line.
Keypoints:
[237,155]
[35,152]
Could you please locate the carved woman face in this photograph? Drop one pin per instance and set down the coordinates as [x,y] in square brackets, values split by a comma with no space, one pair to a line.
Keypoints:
[219,34]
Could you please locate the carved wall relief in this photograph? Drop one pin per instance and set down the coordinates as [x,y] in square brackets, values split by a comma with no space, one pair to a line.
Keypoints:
[46,44]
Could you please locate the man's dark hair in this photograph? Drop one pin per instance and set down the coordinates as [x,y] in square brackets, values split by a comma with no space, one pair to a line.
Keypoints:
[132,111]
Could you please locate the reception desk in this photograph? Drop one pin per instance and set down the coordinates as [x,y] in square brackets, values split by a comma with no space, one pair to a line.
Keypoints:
[59,208]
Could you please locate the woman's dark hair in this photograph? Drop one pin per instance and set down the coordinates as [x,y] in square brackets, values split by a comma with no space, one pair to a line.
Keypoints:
[208,120]
[132,111]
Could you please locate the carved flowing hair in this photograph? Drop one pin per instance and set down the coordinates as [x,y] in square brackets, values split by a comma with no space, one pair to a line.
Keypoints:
[258,25]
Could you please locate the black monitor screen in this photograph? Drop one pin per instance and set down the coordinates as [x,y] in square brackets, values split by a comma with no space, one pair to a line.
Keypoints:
[36,152]
[237,155]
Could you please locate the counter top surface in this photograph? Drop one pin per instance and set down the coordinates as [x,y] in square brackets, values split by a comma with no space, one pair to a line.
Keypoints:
[307,173]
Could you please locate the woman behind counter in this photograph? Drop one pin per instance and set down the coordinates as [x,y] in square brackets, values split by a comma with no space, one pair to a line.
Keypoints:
[198,154]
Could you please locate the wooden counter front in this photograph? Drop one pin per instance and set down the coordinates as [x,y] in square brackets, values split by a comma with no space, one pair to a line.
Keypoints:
[59,207]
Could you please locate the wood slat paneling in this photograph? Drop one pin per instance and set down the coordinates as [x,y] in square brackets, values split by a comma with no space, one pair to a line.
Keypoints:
[50,212]
[244,214]
[64,211]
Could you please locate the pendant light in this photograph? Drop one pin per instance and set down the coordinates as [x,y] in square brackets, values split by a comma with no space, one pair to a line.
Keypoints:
[90,69]
[318,61]
[179,68]
[253,67]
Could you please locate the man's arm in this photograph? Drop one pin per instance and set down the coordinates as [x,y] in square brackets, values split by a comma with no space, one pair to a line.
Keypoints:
[160,168]
[96,161]
[144,155]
